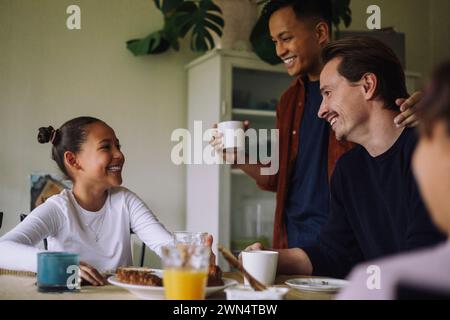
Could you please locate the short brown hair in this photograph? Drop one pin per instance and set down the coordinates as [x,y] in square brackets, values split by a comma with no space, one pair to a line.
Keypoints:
[435,104]
[361,55]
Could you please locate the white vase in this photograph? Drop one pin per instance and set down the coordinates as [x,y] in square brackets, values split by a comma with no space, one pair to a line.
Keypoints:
[240,17]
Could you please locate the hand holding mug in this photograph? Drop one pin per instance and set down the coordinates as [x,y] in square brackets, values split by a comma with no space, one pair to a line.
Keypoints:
[254,247]
[227,141]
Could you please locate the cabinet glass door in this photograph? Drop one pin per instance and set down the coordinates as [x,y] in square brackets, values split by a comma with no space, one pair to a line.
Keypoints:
[255,95]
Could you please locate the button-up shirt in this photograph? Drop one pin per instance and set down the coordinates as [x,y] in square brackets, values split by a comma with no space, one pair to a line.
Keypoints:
[289,115]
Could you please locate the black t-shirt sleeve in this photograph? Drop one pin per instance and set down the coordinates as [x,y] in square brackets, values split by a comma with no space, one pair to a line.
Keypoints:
[337,251]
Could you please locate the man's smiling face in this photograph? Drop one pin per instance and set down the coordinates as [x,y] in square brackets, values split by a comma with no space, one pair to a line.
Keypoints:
[296,42]
[343,104]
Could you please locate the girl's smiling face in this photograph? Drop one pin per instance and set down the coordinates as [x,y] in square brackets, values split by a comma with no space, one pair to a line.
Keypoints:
[100,161]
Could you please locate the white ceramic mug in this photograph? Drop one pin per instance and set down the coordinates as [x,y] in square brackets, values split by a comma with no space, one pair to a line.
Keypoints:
[233,134]
[261,264]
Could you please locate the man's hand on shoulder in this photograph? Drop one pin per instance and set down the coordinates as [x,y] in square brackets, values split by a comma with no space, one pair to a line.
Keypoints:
[408,109]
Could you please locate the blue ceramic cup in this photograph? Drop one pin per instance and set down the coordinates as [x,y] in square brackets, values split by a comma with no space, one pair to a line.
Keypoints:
[58,272]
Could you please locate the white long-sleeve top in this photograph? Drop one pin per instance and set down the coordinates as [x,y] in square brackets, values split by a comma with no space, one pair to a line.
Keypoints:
[102,238]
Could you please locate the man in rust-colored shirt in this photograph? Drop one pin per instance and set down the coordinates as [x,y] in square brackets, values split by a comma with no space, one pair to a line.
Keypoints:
[308,150]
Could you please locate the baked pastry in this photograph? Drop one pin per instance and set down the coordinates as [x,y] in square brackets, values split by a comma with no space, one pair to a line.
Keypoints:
[139,276]
[147,277]
[214,276]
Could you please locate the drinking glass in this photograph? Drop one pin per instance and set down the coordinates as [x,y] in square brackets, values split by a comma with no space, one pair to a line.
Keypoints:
[185,271]
[187,237]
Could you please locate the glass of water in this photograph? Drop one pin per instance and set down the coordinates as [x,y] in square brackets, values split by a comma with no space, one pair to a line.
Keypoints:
[187,237]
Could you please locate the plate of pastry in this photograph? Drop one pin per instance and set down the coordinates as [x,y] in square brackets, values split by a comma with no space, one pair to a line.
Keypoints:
[146,283]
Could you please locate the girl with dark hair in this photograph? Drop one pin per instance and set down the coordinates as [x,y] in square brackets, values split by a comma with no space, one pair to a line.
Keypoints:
[93,219]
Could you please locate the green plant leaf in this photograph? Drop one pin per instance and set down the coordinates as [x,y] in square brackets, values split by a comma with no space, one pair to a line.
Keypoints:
[216,19]
[170,6]
[203,17]
[209,5]
[262,43]
[198,42]
[341,11]
[209,38]
[183,18]
[157,4]
[213,27]
[183,24]
[171,33]
[187,6]
[204,22]
[154,43]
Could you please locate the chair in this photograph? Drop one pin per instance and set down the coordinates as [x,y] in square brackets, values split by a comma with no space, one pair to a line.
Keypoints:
[22,217]
[142,258]
[142,255]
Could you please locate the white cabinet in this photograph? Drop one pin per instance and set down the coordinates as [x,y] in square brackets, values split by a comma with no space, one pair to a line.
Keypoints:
[226,85]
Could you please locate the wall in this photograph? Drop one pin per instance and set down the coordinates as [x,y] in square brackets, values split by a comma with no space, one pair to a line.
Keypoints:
[440,27]
[49,74]
[426,24]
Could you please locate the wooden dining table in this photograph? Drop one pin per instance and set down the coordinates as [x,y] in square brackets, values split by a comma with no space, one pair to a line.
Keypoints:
[22,286]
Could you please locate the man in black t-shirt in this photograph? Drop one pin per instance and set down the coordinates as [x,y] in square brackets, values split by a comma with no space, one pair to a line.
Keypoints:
[375,206]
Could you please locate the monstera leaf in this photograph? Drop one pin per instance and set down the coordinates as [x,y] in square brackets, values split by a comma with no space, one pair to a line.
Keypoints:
[202,17]
[205,20]
[154,43]
[263,45]
[168,6]
[341,11]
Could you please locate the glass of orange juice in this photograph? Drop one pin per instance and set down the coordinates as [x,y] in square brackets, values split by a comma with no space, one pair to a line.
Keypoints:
[185,271]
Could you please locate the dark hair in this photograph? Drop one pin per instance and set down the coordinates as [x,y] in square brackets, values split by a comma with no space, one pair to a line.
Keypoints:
[435,104]
[69,137]
[361,55]
[304,9]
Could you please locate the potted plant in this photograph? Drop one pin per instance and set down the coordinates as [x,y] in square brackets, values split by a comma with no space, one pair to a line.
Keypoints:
[240,17]
[263,45]
[200,17]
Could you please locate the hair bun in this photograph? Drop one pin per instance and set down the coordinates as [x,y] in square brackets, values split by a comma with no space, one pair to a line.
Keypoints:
[45,134]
